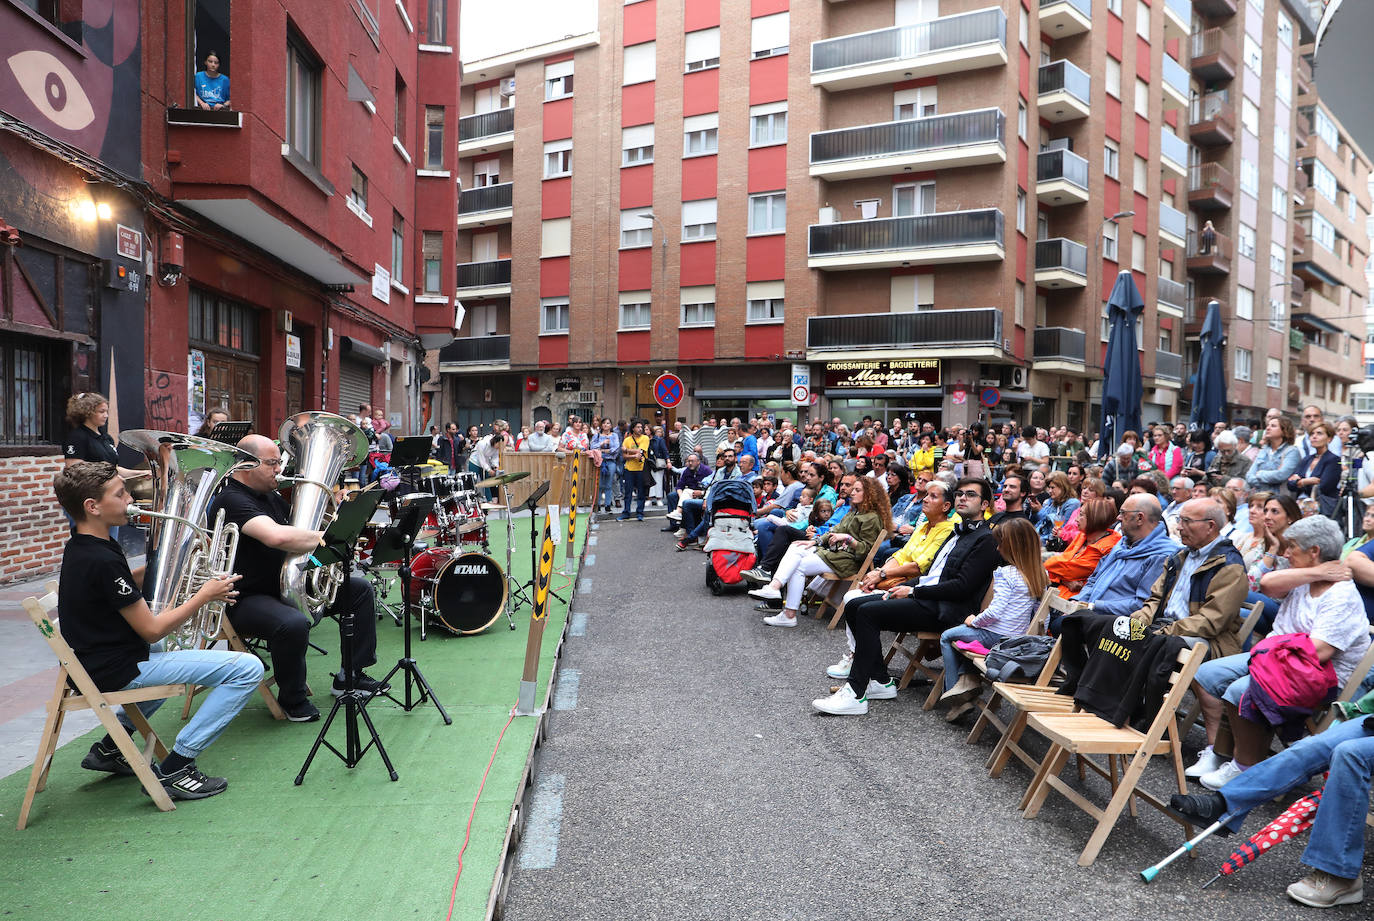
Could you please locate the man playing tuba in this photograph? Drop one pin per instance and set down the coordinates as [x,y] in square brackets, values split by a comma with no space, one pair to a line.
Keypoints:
[266,538]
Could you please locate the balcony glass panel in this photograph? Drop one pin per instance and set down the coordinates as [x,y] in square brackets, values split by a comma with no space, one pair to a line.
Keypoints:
[1060,253]
[476,349]
[1067,76]
[928,231]
[1173,221]
[903,42]
[1176,75]
[483,274]
[1061,164]
[1059,342]
[1173,293]
[891,138]
[1169,365]
[1083,6]
[1173,146]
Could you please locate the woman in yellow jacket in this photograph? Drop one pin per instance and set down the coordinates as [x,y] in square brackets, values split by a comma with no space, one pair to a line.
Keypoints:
[923,458]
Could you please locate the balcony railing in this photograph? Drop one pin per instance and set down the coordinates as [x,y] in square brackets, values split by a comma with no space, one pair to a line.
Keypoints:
[1067,77]
[1176,78]
[1083,6]
[890,139]
[926,231]
[476,350]
[975,326]
[1299,237]
[488,124]
[1059,342]
[1210,186]
[1173,146]
[1062,18]
[1210,257]
[947,33]
[1173,222]
[483,274]
[1213,54]
[1170,292]
[1052,165]
[1060,253]
[1212,118]
[1169,365]
[487,198]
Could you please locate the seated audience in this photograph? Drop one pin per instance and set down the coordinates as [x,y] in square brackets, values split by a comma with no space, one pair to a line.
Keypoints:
[1123,580]
[1070,570]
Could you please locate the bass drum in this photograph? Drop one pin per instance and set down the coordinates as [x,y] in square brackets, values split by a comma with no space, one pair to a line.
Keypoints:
[468,590]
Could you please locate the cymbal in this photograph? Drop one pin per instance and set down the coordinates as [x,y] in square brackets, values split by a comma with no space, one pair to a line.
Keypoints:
[493,507]
[501,479]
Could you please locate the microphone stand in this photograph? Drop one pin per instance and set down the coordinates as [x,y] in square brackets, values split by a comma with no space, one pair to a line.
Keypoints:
[404,531]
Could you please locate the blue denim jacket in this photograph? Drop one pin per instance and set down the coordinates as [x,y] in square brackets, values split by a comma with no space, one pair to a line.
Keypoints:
[1271,468]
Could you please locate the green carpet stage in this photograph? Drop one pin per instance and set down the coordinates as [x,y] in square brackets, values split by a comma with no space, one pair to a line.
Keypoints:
[347,845]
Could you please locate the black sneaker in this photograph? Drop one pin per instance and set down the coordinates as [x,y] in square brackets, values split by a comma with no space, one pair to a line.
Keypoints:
[1206,808]
[109,760]
[363,682]
[303,712]
[190,783]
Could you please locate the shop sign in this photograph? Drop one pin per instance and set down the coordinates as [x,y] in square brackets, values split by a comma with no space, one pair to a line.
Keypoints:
[129,242]
[898,374]
[293,351]
[567,384]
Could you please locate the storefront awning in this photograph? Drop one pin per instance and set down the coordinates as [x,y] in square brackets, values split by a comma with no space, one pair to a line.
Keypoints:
[727,393]
[886,393]
[361,351]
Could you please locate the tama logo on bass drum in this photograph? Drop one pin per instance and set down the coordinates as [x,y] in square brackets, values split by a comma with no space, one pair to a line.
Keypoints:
[471,569]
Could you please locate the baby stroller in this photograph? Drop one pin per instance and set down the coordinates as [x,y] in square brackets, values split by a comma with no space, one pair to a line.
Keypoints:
[730,540]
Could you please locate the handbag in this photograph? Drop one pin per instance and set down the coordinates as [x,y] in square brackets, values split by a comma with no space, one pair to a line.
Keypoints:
[889,583]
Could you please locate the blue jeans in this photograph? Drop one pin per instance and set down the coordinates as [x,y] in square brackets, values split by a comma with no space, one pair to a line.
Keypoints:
[635,490]
[1337,839]
[1226,678]
[606,487]
[692,513]
[764,527]
[1271,610]
[231,676]
[955,663]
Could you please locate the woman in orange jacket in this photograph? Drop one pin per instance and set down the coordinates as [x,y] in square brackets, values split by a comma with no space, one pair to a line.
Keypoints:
[1070,569]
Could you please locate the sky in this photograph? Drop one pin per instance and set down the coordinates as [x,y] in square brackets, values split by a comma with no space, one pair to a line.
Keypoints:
[1345,71]
[490,27]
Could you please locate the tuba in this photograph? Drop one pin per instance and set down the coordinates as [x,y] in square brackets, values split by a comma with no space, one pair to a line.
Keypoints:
[183,555]
[321,445]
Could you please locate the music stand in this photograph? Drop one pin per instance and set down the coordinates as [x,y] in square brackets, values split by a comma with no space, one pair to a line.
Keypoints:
[409,451]
[337,548]
[230,433]
[530,504]
[397,543]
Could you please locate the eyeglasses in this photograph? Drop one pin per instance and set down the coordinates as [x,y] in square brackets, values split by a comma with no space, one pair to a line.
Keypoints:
[970,493]
[275,462]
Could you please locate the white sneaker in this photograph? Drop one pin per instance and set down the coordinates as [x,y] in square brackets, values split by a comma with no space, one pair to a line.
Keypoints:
[841,703]
[765,593]
[680,533]
[1207,762]
[780,620]
[675,515]
[876,691]
[841,668]
[1221,776]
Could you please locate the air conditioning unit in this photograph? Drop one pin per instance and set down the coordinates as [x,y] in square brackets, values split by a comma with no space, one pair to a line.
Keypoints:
[589,397]
[1059,144]
[508,87]
[829,215]
[1015,379]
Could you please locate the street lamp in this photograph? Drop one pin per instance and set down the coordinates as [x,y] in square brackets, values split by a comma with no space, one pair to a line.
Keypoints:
[663,258]
[1095,267]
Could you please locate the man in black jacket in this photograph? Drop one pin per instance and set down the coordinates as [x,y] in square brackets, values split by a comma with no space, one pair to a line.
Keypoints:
[952,590]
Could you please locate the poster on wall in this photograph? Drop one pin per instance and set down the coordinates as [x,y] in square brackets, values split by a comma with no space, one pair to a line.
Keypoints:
[195,390]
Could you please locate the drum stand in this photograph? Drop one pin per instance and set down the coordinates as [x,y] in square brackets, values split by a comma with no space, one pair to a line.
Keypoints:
[352,700]
[407,662]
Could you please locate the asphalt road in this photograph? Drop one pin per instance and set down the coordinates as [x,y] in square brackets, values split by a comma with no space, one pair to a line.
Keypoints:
[695,781]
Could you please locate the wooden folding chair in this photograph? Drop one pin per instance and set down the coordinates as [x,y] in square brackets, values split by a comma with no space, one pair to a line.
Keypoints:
[236,643]
[988,708]
[927,644]
[76,691]
[1085,734]
[843,584]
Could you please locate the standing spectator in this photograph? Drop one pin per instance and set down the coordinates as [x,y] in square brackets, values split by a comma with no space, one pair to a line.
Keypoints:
[635,451]
[540,439]
[212,87]
[607,448]
[658,464]
[1208,238]
[87,414]
[1319,472]
[1278,457]
[1031,448]
[450,446]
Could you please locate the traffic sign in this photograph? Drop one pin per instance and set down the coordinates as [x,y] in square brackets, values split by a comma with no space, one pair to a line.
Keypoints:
[668,390]
[800,396]
[990,397]
[801,385]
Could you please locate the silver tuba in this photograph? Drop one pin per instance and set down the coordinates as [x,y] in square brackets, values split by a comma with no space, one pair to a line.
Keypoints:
[182,554]
[321,445]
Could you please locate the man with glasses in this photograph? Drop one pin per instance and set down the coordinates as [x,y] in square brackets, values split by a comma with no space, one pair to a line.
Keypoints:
[266,537]
[950,591]
[1123,578]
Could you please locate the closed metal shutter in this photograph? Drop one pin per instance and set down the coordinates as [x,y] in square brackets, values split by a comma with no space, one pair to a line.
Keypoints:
[355,386]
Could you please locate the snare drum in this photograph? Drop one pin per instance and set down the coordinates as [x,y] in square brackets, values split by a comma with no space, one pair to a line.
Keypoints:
[467,590]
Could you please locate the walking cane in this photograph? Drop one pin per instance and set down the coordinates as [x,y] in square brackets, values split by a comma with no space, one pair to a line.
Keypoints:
[1149,873]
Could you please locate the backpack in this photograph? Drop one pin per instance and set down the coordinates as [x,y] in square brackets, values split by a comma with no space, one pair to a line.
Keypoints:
[1023,656]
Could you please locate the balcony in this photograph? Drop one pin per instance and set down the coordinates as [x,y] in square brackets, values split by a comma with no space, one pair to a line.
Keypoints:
[936,142]
[484,279]
[1304,75]
[1057,348]
[1065,92]
[1177,87]
[1168,367]
[1062,18]
[1296,289]
[1210,187]
[1173,225]
[1214,55]
[928,239]
[476,353]
[1215,9]
[486,206]
[1212,119]
[1061,177]
[1302,130]
[1299,238]
[1171,297]
[1061,263]
[1296,340]
[1300,186]
[948,44]
[1178,18]
[1173,152]
[966,332]
[1214,259]
[485,133]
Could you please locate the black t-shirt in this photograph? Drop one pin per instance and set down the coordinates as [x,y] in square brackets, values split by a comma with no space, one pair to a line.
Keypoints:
[999,517]
[94,586]
[259,564]
[83,444]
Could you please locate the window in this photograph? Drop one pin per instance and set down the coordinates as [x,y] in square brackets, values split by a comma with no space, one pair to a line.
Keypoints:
[434,137]
[219,322]
[1019,317]
[765,302]
[1285,28]
[432,246]
[558,80]
[1114,6]
[1138,252]
[1142,21]
[640,63]
[914,199]
[1277,317]
[1324,181]
[557,159]
[1140,180]
[1283,86]
[636,230]
[1278,201]
[357,194]
[1109,234]
[1113,76]
[1142,97]
[1249,177]
[768,124]
[769,36]
[1025,28]
[1326,128]
[1244,357]
[699,220]
[398,248]
[1351,207]
[398,127]
[701,134]
[555,238]
[1324,232]
[1166,340]
[702,49]
[482,320]
[553,315]
[1253,55]
[1249,116]
[1111,156]
[1273,374]
[1282,140]
[1021,210]
[768,212]
[637,145]
[302,99]
[486,172]
[436,23]
[1278,258]
[1245,303]
[699,305]
[1021,119]
[636,309]
[1042,225]
[1245,241]
[30,399]
[916,102]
